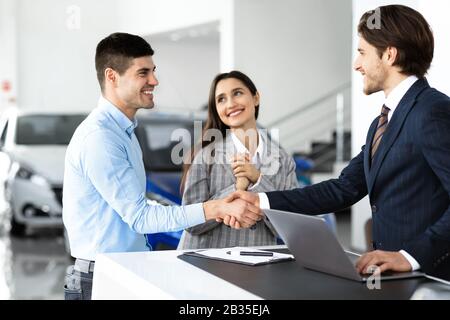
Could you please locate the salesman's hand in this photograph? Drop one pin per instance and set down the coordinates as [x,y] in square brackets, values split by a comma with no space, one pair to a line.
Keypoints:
[385,260]
[249,197]
[245,214]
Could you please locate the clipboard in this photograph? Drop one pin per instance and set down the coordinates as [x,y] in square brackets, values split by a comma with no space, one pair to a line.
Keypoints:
[221,255]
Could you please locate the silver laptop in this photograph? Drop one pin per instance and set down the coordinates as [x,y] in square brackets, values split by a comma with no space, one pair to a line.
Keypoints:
[316,247]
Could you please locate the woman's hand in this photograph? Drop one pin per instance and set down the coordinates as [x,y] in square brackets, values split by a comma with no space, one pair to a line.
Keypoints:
[242,168]
[242,183]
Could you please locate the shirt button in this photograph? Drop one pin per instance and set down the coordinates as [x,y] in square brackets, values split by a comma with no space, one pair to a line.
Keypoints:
[374,208]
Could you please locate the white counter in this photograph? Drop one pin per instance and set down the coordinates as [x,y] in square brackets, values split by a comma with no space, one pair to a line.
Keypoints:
[158,275]
[161,275]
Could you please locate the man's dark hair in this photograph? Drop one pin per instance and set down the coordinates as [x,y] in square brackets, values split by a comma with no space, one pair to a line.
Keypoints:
[405,29]
[116,52]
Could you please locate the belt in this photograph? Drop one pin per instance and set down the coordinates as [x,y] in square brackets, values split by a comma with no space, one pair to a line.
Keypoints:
[85,266]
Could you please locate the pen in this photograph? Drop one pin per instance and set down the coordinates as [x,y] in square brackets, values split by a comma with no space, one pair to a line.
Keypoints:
[251,253]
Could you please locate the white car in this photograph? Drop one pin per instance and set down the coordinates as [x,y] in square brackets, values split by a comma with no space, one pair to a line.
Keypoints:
[32,150]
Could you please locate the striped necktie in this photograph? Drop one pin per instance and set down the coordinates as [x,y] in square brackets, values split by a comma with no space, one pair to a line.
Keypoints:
[381,128]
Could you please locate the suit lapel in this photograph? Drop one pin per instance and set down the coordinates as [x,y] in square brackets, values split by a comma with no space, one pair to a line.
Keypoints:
[393,129]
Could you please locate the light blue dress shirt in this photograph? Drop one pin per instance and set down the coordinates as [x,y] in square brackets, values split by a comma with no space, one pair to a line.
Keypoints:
[104,204]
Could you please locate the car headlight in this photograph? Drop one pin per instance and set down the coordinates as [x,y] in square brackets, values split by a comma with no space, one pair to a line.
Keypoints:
[22,172]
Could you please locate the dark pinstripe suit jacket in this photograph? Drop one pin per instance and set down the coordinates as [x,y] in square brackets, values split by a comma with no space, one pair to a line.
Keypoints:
[408,182]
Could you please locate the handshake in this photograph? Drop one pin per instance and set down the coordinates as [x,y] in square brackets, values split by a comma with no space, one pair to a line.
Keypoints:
[239,210]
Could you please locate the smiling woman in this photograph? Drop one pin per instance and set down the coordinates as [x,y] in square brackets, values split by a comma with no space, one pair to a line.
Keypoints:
[241,157]
[236,104]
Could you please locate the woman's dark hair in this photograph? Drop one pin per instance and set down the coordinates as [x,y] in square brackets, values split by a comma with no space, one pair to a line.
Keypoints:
[403,28]
[213,121]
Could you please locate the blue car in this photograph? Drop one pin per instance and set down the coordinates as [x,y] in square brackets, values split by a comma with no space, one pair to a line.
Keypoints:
[156,132]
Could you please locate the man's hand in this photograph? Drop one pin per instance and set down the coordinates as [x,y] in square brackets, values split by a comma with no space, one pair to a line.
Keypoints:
[385,260]
[244,214]
[250,197]
[242,168]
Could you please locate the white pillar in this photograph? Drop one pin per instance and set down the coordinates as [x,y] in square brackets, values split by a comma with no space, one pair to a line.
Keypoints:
[227,37]
[8,61]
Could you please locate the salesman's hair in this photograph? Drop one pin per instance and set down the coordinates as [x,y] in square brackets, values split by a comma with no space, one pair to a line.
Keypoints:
[405,29]
[116,52]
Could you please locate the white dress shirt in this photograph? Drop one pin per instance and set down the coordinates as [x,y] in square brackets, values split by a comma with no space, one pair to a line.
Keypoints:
[393,99]
[256,157]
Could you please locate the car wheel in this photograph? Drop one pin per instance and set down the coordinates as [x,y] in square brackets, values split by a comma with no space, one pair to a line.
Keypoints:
[17,228]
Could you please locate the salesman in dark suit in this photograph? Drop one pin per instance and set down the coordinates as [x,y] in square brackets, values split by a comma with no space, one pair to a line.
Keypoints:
[405,165]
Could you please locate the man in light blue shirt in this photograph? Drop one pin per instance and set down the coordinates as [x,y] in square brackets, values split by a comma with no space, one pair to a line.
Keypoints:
[104,203]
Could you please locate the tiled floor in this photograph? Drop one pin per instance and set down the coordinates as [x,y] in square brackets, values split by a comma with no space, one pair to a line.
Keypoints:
[32,267]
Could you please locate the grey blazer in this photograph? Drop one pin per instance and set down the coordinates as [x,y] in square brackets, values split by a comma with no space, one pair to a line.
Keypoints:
[211,177]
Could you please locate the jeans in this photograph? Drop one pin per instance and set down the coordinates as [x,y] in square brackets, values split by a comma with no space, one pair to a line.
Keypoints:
[77,285]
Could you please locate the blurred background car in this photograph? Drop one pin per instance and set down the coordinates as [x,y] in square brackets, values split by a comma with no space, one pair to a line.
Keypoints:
[162,136]
[32,149]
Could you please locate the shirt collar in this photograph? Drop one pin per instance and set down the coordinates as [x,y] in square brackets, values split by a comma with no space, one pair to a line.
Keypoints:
[240,147]
[393,99]
[121,119]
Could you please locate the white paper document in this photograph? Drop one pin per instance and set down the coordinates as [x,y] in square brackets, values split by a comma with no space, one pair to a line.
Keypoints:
[233,255]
